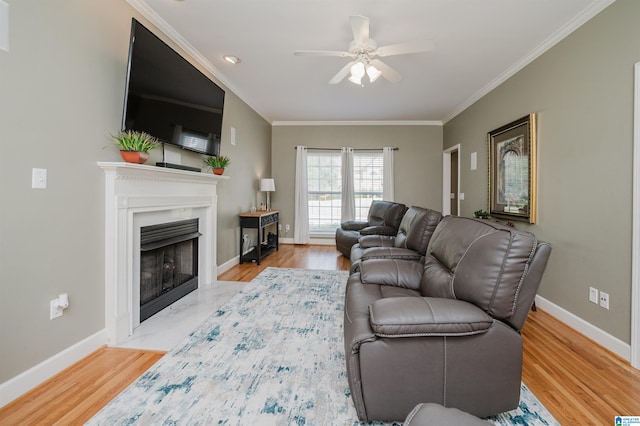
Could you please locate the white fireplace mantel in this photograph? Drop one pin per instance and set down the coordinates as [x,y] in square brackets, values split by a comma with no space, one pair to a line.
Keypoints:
[137,195]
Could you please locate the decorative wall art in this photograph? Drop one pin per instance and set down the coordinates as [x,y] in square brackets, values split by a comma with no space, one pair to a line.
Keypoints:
[512,170]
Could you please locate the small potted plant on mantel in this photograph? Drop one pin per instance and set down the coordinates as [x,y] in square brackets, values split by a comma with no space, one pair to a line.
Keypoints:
[135,146]
[217,163]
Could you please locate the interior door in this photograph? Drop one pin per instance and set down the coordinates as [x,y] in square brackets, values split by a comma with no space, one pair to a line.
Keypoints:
[454,183]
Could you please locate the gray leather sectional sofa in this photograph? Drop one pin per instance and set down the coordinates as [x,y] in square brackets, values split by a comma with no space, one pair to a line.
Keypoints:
[444,328]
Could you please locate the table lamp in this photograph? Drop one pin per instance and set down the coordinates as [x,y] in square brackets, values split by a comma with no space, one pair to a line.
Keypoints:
[267,185]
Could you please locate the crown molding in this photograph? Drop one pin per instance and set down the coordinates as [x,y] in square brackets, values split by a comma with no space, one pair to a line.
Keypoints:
[358,123]
[575,23]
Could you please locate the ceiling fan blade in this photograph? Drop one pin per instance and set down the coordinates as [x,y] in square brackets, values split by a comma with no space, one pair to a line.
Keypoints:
[405,48]
[322,53]
[360,28]
[342,73]
[387,72]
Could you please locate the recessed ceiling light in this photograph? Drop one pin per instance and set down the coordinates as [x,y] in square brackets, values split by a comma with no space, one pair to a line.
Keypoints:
[231,59]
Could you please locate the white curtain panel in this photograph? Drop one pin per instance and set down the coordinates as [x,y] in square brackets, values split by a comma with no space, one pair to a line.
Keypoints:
[301,208]
[387,174]
[348,211]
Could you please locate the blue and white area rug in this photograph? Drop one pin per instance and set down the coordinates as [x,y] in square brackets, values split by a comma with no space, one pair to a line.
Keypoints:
[273,355]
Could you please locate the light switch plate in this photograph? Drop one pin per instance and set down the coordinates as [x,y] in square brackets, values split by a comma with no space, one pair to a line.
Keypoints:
[39,178]
[474,160]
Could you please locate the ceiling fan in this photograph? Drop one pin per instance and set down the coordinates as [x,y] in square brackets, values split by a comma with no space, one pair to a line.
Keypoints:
[365,51]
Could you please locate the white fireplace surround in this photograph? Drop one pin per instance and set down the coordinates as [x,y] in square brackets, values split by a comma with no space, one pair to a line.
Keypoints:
[138,195]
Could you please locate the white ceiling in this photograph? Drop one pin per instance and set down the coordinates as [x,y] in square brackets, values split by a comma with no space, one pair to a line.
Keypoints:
[479,43]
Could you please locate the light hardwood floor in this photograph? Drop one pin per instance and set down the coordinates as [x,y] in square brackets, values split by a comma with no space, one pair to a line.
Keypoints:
[580,382]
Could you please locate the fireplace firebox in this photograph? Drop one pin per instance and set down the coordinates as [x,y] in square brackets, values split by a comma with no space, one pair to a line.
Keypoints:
[168,264]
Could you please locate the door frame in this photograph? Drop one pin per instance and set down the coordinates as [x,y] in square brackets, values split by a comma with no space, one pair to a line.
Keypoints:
[446,180]
[635,251]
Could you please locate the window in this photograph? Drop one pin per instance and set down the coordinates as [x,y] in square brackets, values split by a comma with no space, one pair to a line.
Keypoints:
[324,180]
[367,181]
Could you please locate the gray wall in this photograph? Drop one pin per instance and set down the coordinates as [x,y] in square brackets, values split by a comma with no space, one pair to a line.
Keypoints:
[418,162]
[61,94]
[582,91]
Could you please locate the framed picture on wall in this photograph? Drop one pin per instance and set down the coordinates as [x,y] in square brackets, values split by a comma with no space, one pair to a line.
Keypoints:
[512,170]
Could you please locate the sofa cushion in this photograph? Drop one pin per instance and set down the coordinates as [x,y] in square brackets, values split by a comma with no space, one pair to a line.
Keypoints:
[478,261]
[420,230]
[426,316]
[392,272]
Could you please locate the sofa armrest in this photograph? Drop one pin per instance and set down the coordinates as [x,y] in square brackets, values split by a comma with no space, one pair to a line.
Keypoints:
[394,272]
[391,253]
[353,225]
[369,241]
[426,316]
[379,230]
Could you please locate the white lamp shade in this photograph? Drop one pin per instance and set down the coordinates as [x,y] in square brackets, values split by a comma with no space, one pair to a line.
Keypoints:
[373,73]
[267,185]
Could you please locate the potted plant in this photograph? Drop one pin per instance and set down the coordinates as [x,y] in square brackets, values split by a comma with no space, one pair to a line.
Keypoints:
[217,163]
[135,146]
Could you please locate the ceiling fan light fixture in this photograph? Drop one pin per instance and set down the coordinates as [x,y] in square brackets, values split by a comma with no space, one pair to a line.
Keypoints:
[356,80]
[357,72]
[373,73]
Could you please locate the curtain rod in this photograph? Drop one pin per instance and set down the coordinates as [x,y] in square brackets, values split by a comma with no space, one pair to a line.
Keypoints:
[340,149]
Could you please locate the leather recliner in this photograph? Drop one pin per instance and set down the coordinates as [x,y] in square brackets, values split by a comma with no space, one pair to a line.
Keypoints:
[383,219]
[445,330]
[411,241]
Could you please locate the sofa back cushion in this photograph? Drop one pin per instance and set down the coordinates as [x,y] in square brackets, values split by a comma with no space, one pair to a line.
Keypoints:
[421,229]
[386,213]
[478,261]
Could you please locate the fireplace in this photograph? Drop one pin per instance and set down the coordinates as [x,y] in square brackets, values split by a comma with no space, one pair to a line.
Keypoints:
[137,196]
[168,264]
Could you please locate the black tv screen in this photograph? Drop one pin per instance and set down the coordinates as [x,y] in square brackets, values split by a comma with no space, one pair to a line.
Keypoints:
[169,98]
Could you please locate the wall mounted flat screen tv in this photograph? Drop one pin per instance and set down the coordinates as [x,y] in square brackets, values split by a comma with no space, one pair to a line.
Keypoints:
[169,98]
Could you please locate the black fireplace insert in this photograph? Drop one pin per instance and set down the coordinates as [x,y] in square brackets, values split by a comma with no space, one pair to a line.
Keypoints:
[168,264]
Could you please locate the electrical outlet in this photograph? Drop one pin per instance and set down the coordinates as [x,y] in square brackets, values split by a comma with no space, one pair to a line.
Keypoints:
[280,227]
[593,295]
[287,228]
[604,300]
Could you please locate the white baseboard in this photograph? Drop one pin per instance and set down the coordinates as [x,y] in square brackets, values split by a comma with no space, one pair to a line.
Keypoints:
[599,336]
[228,265]
[324,241]
[24,382]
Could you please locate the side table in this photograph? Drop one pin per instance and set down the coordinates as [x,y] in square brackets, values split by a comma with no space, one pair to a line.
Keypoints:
[259,220]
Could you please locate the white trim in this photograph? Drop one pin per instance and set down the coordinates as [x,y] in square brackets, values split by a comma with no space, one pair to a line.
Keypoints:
[4,25]
[359,123]
[323,241]
[228,265]
[446,179]
[588,13]
[599,336]
[635,241]
[142,7]
[27,380]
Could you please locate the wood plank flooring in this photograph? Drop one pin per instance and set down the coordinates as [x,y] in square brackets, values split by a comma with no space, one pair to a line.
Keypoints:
[74,395]
[580,382]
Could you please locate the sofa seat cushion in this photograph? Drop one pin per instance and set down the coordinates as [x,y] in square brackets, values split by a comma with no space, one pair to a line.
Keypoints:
[426,316]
